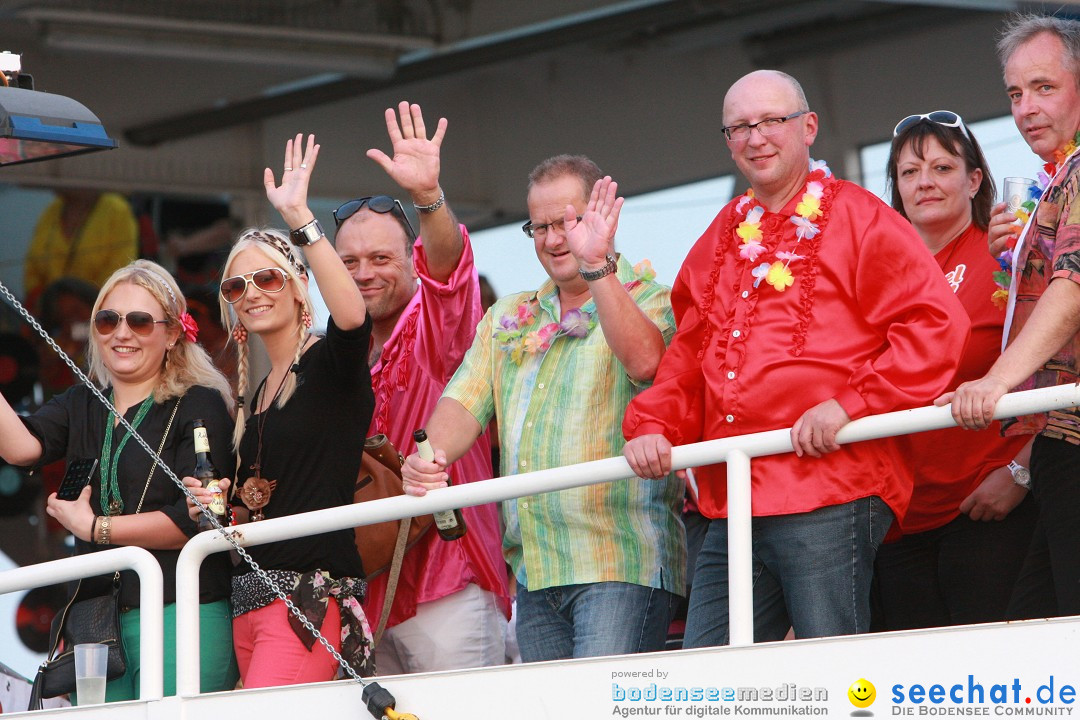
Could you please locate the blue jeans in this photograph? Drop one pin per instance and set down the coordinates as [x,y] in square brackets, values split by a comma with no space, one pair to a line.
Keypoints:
[591,620]
[811,571]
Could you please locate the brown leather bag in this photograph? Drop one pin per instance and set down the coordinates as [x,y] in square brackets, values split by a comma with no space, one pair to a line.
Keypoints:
[380,477]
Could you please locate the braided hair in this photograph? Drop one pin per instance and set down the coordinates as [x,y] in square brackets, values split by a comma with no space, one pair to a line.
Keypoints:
[276,247]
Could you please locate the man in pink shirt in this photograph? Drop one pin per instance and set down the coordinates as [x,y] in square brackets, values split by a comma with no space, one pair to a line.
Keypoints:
[451,604]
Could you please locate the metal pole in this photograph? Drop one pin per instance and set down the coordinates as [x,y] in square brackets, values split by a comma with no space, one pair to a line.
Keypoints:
[740,545]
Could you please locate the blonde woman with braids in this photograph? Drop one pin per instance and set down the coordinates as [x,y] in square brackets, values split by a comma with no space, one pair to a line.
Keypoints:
[299,436]
[143,354]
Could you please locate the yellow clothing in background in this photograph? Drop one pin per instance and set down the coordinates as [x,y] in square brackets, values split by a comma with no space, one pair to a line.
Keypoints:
[105,242]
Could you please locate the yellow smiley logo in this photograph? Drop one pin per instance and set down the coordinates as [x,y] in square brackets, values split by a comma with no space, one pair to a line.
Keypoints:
[862,693]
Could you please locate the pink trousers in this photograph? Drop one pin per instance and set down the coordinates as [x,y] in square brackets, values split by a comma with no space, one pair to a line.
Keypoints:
[269,653]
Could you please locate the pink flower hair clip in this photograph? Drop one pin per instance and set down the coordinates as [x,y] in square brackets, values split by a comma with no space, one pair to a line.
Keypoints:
[191,328]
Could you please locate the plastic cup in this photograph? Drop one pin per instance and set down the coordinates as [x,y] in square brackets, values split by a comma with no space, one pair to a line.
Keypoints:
[91,663]
[1015,191]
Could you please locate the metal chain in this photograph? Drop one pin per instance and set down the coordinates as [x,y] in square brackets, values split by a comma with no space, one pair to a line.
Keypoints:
[180,484]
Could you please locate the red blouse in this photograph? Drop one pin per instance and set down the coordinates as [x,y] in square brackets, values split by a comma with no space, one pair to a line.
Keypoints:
[869,321]
[949,464]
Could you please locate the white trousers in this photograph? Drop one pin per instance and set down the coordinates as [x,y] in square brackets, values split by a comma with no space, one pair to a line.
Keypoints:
[462,630]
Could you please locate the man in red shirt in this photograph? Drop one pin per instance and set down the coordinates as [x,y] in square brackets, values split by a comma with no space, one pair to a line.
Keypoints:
[807,303]
[451,605]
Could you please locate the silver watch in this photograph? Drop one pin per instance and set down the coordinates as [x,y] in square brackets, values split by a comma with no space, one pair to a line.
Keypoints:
[591,275]
[1021,475]
[307,234]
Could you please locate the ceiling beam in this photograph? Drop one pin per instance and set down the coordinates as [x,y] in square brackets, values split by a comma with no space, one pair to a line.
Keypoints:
[617,19]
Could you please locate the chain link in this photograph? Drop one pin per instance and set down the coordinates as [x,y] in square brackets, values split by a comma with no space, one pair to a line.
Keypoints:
[180,484]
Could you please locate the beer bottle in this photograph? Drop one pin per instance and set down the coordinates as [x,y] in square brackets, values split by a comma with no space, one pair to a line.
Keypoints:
[449,523]
[205,471]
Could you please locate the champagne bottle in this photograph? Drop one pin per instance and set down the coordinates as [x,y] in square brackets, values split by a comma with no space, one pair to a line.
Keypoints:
[449,523]
[208,474]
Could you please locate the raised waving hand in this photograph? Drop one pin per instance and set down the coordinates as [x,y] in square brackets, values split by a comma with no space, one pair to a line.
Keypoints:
[416,163]
[593,238]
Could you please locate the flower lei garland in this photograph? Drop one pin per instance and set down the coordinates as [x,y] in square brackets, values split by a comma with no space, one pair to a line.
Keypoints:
[1003,277]
[810,240]
[511,331]
[809,209]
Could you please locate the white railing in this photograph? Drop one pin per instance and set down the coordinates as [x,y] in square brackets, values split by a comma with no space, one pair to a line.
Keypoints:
[151,635]
[735,451]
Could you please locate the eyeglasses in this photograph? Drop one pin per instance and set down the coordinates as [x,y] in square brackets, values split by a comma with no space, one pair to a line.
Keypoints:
[269,280]
[141,323]
[540,231]
[381,204]
[941,117]
[768,126]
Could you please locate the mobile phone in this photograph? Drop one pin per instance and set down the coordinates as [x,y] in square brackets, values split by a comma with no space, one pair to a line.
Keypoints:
[76,478]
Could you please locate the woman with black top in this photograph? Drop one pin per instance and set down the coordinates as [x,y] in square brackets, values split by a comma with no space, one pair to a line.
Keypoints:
[143,353]
[301,446]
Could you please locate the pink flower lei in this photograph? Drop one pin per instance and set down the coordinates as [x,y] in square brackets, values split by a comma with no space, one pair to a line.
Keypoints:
[511,329]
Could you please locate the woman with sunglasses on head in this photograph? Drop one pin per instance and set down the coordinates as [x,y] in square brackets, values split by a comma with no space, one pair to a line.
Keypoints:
[299,436]
[144,356]
[967,530]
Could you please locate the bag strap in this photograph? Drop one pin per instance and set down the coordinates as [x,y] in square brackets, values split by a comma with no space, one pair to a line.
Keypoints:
[392,579]
[153,461]
[35,701]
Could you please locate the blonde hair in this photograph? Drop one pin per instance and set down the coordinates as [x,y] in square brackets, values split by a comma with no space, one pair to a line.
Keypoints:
[275,245]
[186,364]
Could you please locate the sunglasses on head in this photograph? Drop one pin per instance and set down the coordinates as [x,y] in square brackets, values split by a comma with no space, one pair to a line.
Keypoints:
[271,280]
[381,204]
[141,323]
[947,118]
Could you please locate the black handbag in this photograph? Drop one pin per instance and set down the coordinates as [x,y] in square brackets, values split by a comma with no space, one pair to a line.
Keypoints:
[90,620]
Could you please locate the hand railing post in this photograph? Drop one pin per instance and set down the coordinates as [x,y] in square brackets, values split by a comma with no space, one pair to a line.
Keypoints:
[740,546]
[151,635]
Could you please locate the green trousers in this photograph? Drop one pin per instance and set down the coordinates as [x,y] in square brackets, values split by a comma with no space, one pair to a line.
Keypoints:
[218,663]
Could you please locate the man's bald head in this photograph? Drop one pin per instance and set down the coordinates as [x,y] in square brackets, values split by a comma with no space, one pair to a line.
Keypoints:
[755,81]
[773,156]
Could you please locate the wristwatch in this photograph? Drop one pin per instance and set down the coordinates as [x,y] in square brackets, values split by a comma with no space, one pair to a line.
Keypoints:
[307,234]
[1021,475]
[590,275]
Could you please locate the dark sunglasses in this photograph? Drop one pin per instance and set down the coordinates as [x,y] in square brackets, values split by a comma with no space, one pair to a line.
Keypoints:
[269,280]
[381,204]
[946,118]
[140,323]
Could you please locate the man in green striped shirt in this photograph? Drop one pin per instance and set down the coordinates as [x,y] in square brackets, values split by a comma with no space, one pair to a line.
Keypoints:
[599,568]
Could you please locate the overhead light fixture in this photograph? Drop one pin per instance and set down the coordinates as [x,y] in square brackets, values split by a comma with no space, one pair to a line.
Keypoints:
[368,55]
[38,126]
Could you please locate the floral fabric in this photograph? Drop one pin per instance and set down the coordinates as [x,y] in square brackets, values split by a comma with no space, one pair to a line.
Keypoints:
[310,592]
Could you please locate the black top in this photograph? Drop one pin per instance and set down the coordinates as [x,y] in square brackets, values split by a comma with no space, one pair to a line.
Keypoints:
[72,426]
[312,447]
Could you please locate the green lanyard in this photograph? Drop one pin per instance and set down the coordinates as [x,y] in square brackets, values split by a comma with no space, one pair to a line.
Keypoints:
[111,503]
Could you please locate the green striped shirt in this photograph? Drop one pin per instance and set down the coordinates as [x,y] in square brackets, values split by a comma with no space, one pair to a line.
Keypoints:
[563,404]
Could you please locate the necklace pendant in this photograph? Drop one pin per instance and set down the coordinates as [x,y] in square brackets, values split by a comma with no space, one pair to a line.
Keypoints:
[114,507]
[255,494]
